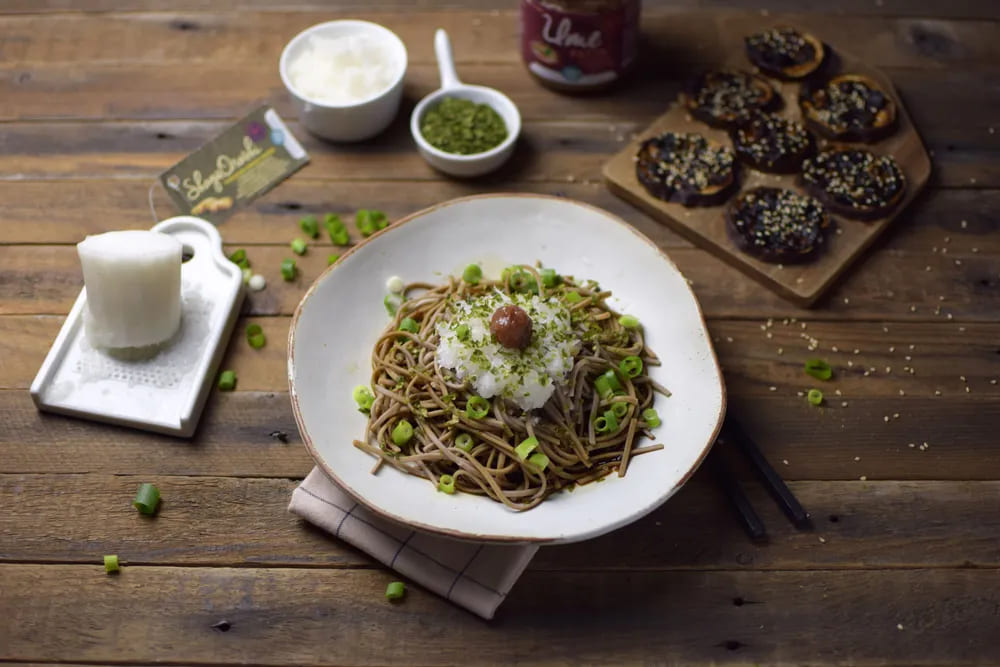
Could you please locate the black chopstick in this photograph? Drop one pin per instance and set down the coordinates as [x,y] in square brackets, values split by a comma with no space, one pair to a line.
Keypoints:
[789,504]
[752,523]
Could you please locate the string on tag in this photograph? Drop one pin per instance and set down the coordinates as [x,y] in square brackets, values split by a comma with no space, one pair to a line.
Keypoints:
[152,208]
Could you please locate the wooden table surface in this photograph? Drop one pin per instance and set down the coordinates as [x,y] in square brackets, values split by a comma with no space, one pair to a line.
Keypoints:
[98,97]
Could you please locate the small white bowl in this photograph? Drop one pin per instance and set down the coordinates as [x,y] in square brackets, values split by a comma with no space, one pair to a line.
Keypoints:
[346,122]
[453,163]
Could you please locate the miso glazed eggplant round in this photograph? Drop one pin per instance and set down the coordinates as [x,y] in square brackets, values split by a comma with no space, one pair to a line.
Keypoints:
[724,98]
[855,183]
[773,144]
[785,53]
[686,169]
[778,225]
[849,107]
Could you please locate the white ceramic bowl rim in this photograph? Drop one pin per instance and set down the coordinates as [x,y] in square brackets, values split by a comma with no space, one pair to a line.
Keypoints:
[421,108]
[389,35]
[486,536]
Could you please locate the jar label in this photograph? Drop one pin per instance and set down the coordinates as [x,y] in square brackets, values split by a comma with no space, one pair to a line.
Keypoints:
[575,48]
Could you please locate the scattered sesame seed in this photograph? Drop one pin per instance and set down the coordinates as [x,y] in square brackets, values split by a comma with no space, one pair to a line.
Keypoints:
[857,458]
[846,300]
[892,348]
[888,369]
[840,230]
[908,358]
[993,381]
[729,339]
[967,390]
[799,393]
[850,364]
[927,268]
[867,373]
[857,351]
[911,445]
[769,335]
[785,461]
[962,378]
[926,445]
[950,316]
[965,223]
[822,540]
[863,478]
[773,388]
[941,298]
[770,321]
[899,626]
[834,349]
[886,418]
[992,130]
[793,320]
[913,309]
[912,347]
[937,392]
[961,329]
[885,329]
[763,327]
[895,415]
[944,251]
[912,371]
[975,249]
[803,325]
[958,262]
[843,404]
[781,350]
[837,392]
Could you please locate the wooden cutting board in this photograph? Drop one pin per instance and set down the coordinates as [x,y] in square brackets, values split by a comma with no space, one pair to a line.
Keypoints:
[706,227]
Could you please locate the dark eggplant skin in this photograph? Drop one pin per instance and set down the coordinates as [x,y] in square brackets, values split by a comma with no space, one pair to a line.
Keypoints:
[649,173]
[796,246]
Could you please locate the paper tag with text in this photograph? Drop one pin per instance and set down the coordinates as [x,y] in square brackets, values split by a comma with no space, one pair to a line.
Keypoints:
[245,161]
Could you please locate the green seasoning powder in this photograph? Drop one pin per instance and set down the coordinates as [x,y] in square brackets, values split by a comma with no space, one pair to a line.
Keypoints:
[460,126]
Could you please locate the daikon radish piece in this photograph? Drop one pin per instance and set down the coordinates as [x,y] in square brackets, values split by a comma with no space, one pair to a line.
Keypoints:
[133,281]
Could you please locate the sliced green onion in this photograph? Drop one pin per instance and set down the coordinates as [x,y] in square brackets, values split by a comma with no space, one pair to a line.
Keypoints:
[111,564]
[472,274]
[819,369]
[395,590]
[620,408]
[539,460]
[524,282]
[309,225]
[462,331]
[815,396]
[402,433]
[363,396]
[332,258]
[392,302]
[572,297]
[239,255]
[630,366]
[464,442]
[477,407]
[337,230]
[550,278]
[606,423]
[446,483]
[607,385]
[298,246]
[409,324]
[651,417]
[628,321]
[527,446]
[255,336]
[227,381]
[288,269]
[369,221]
[146,499]
[247,275]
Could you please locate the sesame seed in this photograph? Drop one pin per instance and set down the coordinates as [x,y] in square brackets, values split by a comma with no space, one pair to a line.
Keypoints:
[822,540]
[846,300]
[913,309]
[895,415]
[911,445]
[857,458]
[769,335]
[967,390]
[867,373]
[958,262]
[888,369]
[803,325]
[961,329]
[885,329]
[975,250]
[785,461]
[843,404]
[965,223]
[908,358]
[850,364]
[773,388]
[837,392]
[763,327]
[941,298]
[834,349]
[886,418]
[799,393]
[993,381]
[912,347]
[781,350]
[927,268]
[857,351]
[892,348]
[863,478]
[902,393]
[729,339]
[937,392]
[899,626]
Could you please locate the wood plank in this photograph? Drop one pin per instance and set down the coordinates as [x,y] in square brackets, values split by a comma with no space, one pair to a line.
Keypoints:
[300,616]
[208,521]
[942,354]
[832,443]
[551,151]
[979,9]
[93,206]
[44,279]
[694,36]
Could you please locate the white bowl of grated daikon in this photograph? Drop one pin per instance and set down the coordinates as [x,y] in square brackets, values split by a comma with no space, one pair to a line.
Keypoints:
[345,78]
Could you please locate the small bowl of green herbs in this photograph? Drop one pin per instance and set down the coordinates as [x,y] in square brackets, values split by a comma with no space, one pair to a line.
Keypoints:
[460,129]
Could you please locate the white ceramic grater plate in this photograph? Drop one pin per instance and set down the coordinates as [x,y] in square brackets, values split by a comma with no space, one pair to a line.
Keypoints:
[166,392]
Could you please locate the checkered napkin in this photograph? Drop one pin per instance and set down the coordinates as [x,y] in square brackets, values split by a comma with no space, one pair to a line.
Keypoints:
[472,575]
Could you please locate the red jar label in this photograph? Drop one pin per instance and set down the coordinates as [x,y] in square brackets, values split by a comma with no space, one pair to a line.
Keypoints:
[579,49]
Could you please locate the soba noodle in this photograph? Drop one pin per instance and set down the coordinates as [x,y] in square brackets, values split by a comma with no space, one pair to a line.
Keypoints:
[409,384]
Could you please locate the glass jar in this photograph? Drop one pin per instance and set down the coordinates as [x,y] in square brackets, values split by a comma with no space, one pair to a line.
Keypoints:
[579,45]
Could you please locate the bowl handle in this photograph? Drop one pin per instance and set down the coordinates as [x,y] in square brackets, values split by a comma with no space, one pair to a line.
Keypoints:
[446,62]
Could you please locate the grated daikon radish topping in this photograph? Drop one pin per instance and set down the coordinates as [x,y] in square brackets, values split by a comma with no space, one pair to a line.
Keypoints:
[343,69]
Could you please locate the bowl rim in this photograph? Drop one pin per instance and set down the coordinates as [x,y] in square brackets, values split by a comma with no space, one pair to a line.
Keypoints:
[486,537]
[317,27]
[457,158]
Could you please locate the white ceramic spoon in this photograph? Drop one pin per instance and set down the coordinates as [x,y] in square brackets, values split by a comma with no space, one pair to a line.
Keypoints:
[451,86]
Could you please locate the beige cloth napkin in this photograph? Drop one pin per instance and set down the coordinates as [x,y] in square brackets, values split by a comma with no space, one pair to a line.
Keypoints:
[473,575]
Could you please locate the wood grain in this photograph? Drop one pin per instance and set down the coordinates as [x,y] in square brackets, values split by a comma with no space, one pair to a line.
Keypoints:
[477,37]
[209,521]
[802,283]
[943,353]
[299,616]
[46,280]
[94,206]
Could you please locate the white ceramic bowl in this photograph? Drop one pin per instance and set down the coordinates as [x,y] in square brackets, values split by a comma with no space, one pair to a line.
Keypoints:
[348,122]
[451,163]
[342,314]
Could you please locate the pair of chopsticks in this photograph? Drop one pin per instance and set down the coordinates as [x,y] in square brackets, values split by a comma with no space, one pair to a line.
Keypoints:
[734,435]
